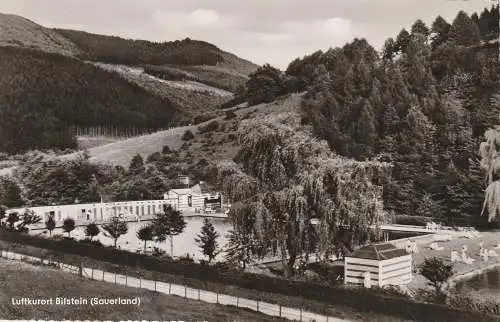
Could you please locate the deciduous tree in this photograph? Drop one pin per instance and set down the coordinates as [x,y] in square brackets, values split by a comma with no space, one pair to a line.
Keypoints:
[115,228]
[167,225]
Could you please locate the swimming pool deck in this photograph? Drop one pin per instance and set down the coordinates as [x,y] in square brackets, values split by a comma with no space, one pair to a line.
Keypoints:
[462,270]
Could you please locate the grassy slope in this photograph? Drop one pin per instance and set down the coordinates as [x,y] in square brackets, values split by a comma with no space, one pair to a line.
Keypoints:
[313,306]
[193,98]
[20,32]
[218,147]
[24,280]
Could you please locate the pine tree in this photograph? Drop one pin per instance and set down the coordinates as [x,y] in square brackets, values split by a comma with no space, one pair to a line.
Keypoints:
[136,165]
[484,22]
[207,240]
[464,31]
[389,49]
[441,31]
[419,27]
[402,40]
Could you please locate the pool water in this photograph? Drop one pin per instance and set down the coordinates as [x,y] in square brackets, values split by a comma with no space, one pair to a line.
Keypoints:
[183,243]
[487,283]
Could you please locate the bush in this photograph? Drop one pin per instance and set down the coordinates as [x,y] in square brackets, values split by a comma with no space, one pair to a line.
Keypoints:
[230,115]
[210,127]
[470,300]
[188,135]
[166,149]
[154,157]
[186,259]
[93,242]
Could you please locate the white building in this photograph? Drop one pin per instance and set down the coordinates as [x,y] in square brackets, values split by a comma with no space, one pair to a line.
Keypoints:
[378,265]
[97,212]
[196,198]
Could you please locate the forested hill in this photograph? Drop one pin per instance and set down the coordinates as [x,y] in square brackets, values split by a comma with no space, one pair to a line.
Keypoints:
[50,83]
[422,103]
[42,95]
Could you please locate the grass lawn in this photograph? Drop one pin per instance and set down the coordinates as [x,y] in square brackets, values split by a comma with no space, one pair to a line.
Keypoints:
[339,311]
[24,280]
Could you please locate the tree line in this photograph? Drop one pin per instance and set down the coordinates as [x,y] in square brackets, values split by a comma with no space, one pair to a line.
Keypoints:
[116,50]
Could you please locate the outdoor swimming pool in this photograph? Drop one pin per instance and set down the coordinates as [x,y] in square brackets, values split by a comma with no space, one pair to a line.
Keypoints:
[183,243]
[487,283]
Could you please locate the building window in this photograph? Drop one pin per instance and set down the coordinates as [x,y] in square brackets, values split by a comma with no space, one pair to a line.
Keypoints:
[95,214]
[142,210]
[82,216]
[131,209]
[101,215]
[137,210]
[149,210]
[190,201]
[59,215]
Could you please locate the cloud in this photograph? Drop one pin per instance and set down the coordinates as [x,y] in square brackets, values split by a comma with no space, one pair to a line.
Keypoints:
[337,26]
[204,17]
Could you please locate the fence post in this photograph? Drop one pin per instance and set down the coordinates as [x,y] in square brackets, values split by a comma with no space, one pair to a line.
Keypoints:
[300,314]
[185,291]
[126,279]
[92,277]
[103,276]
[169,288]
[280,309]
[199,297]
[115,277]
[217,297]
[140,282]
[258,306]
[237,301]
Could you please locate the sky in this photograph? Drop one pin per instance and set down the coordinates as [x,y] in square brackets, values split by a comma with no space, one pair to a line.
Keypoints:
[262,31]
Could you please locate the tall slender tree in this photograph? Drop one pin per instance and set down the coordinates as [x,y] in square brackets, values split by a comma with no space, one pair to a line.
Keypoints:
[207,240]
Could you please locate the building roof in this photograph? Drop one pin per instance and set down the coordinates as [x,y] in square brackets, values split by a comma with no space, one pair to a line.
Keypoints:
[199,189]
[184,191]
[378,252]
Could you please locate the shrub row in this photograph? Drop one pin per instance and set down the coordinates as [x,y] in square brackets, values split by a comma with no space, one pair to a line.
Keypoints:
[358,298]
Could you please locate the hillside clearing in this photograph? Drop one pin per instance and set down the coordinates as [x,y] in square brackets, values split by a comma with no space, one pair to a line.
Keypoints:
[216,147]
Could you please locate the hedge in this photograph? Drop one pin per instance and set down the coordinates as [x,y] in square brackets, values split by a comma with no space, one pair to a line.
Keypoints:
[358,298]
